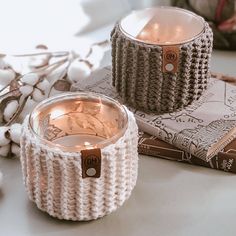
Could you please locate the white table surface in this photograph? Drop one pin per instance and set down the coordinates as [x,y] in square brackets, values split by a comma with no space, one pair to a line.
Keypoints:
[170,198]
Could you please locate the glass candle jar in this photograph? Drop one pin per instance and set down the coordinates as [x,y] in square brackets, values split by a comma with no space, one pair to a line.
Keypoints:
[79,155]
[162,26]
[73,122]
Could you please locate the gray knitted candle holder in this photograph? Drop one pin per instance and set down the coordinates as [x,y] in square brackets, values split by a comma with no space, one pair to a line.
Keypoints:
[153,75]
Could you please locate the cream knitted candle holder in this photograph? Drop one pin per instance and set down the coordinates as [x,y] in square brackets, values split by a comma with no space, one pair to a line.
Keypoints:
[160,58]
[79,155]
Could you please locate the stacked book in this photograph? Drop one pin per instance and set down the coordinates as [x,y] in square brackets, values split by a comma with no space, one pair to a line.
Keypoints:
[203,133]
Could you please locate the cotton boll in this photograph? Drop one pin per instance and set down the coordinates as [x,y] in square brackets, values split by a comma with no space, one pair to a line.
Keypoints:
[44,85]
[78,70]
[37,95]
[30,78]
[4,150]
[10,109]
[15,132]
[26,90]
[6,76]
[15,149]
[4,139]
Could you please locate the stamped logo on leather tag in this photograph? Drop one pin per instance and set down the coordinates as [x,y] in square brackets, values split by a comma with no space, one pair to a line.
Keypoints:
[170,58]
[91,163]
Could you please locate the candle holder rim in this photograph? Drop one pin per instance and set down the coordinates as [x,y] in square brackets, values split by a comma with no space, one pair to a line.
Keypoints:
[163,44]
[69,95]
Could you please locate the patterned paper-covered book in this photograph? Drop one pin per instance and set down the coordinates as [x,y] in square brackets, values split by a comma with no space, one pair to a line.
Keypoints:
[152,146]
[201,129]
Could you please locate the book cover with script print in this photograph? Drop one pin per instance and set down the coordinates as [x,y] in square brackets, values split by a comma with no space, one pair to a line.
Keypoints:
[152,146]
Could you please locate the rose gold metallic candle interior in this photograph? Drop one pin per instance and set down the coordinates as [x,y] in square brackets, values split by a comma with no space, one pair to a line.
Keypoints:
[76,121]
[162,25]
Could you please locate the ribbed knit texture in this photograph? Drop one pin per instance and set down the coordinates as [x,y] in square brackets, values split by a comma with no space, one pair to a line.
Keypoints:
[138,78]
[53,178]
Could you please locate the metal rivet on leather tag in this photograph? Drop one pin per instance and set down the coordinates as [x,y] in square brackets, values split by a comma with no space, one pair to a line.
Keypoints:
[91,163]
[170,58]
[169,67]
[91,172]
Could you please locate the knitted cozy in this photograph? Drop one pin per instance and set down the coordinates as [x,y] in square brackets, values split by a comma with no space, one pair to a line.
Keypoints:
[138,78]
[53,178]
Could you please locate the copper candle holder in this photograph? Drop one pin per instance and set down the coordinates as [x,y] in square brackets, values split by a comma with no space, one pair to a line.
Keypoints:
[161,58]
[79,155]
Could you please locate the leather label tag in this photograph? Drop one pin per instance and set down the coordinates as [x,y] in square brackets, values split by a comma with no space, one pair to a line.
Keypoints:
[170,59]
[91,163]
